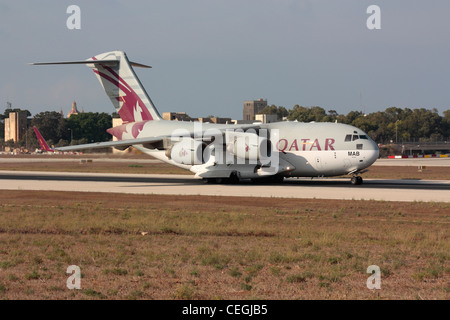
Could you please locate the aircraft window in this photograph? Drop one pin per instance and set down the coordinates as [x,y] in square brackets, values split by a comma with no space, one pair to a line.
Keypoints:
[359,146]
[363,137]
[355,137]
[348,137]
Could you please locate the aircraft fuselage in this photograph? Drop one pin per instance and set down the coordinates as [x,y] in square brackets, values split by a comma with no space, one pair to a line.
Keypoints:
[306,149]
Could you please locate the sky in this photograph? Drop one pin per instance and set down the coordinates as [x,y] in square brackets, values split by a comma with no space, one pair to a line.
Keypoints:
[208,56]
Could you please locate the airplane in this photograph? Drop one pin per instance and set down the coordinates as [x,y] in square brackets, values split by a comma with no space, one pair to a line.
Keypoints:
[42,142]
[224,153]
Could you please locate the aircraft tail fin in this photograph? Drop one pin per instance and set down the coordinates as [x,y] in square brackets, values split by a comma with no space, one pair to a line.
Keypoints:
[42,142]
[122,86]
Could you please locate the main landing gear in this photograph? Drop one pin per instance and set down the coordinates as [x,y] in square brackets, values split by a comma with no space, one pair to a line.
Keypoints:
[233,179]
[356,180]
[268,180]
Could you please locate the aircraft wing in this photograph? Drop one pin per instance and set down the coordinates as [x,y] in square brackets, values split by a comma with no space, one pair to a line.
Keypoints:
[130,142]
[147,140]
[121,143]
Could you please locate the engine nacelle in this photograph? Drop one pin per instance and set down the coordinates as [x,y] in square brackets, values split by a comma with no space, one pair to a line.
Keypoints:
[250,146]
[187,151]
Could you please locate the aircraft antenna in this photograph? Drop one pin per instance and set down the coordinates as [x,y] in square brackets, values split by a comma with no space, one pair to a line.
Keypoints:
[362,108]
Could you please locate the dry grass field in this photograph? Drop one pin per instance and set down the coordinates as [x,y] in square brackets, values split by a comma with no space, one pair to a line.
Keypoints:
[97,166]
[179,247]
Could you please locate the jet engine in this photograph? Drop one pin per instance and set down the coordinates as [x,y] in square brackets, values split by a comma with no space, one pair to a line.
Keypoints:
[188,151]
[250,146]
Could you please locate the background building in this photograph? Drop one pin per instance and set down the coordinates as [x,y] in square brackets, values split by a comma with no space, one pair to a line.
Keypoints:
[182,116]
[15,126]
[74,110]
[253,107]
[266,118]
[178,116]
[214,120]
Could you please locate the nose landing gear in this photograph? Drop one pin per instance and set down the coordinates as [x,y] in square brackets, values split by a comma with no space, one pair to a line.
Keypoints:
[356,180]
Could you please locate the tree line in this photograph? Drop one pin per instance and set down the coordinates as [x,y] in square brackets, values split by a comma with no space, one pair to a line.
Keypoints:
[391,125]
[59,131]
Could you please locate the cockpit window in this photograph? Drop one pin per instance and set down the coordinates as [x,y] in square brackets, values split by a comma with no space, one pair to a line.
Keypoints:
[354,137]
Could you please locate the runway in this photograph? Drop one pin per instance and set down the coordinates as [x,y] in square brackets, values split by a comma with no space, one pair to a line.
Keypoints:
[372,189]
[431,162]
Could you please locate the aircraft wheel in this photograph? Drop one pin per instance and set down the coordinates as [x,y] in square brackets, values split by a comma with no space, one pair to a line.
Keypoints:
[230,180]
[233,179]
[220,180]
[279,179]
[356,180]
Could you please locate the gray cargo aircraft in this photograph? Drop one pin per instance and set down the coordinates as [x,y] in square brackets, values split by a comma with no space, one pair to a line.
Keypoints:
[222,153]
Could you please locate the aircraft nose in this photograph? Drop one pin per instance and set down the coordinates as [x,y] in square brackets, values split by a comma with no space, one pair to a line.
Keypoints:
[374,153]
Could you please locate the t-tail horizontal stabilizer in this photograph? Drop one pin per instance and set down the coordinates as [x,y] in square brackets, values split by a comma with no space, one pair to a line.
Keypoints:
[121,85]
[108,62]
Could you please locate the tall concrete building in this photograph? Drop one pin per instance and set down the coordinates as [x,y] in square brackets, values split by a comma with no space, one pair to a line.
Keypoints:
[253,107]
[15,126]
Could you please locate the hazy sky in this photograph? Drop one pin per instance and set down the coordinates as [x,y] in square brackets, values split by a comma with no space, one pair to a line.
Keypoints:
[208,56]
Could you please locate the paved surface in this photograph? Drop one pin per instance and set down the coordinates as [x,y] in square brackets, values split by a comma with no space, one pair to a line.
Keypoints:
[372,189]
[431,162]
[75,160]
[439,162]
